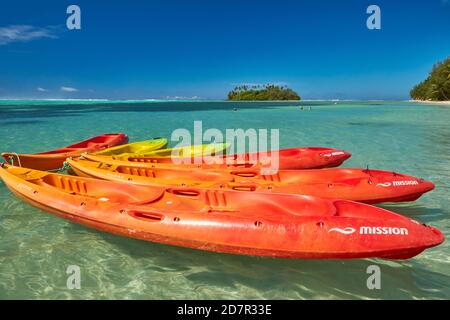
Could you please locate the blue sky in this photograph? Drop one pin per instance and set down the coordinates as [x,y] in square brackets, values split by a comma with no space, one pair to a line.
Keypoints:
[158,49]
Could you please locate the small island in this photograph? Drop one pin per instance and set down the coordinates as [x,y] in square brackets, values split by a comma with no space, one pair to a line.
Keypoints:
[263,93]
[437,86]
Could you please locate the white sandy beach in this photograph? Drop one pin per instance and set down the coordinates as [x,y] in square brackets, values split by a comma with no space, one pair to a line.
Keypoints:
[445,103]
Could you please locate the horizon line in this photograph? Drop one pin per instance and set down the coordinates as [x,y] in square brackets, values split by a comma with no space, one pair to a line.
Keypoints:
[199,99]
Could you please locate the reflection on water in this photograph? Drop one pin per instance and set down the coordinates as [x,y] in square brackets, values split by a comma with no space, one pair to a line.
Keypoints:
[36,248]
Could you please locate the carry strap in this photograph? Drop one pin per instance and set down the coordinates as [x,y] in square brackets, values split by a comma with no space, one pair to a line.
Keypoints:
[11,159]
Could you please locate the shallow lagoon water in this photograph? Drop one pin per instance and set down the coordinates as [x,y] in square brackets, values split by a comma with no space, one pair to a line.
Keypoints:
[36,248]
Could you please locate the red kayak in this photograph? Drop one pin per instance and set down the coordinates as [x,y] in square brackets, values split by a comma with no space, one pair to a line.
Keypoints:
[275,225]
[52,160]
[364,185]
[294,158]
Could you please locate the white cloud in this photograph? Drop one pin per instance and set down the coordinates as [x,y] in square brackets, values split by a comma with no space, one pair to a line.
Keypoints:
[25,33]
[41,89]
[69,89]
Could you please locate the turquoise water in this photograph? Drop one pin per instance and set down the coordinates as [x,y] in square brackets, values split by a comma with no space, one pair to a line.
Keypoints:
[36,248]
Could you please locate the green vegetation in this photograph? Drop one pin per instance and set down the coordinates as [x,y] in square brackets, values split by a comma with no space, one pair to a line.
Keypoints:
[437,86]
[264,92]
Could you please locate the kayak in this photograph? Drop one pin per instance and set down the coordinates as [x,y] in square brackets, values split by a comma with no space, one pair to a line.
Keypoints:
[135,147]
[52,160]
[274,225]
[363,185]
[186,151]
[293,158]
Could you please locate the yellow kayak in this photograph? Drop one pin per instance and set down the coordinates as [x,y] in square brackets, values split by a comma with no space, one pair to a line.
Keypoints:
[182,152]
[138,147]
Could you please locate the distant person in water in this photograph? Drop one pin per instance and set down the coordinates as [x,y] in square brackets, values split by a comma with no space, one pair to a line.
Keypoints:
[234,109]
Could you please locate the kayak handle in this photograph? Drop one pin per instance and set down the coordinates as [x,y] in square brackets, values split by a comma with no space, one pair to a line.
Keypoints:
[185,192]
[11,156]
[245,174]
[146,215]
[243,187]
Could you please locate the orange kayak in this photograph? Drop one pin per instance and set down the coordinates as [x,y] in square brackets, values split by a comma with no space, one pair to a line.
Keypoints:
[369,186]
[294,158]
[52,160]
[258,224]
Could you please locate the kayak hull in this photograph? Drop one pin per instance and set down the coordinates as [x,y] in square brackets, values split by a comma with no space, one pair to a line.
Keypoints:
[287,159]
[201,150]
[139,147]
[369,186]
[52,160]
[284,226]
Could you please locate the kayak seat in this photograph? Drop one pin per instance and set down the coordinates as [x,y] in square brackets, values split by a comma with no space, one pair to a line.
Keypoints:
[102,190]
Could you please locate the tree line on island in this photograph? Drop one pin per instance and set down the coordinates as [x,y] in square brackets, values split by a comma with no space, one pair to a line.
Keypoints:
[437,86]
[262,92]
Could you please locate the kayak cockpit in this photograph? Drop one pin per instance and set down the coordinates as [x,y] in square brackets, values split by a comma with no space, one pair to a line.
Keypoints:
[99,189]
